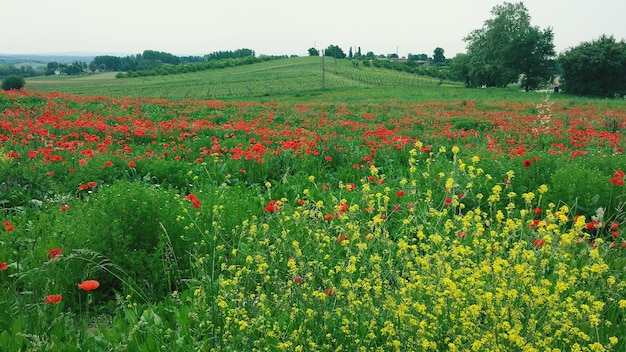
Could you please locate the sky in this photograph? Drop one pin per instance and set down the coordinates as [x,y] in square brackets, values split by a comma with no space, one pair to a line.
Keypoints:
[282,27]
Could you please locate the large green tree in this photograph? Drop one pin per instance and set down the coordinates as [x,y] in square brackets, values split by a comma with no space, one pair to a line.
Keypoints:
[596,68]
[334,51]
[508,47]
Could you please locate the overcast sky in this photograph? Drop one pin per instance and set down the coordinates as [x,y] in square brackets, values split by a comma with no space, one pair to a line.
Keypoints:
[282,27]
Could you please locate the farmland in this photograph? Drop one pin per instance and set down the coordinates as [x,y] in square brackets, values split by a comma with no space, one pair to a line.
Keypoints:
[275,77]
[248,209]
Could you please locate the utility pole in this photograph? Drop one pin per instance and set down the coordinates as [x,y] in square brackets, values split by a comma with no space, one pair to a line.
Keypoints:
[323,83]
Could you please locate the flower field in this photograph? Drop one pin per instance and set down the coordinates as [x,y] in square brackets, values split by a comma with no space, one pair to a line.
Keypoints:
[145,225]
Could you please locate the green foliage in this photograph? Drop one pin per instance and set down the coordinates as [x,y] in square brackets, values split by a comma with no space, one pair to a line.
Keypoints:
[334,51]
[571,183]
[506,47]
[124,224]
[13,82]
[596,68]
[438,56]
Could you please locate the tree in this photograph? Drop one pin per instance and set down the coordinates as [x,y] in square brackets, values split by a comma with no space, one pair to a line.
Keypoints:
[507,47]
[334,51]
[314,52]
[13,82]
[596,68]
[438,55]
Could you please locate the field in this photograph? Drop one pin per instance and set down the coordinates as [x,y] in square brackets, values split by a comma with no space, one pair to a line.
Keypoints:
[241,213]
[293,76]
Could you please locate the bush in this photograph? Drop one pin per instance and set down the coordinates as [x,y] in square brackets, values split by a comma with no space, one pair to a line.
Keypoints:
[125,223]
[13,82]
[596,68]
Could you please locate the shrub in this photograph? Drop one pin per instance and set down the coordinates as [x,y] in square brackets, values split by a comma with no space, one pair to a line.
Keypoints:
[125,223]
[13,82]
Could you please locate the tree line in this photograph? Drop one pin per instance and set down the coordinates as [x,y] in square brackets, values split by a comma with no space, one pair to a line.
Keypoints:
[508,49]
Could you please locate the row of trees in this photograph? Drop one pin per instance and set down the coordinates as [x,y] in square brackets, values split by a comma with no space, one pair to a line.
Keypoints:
[21,70]
[508,49]
[148,60]
[336,52]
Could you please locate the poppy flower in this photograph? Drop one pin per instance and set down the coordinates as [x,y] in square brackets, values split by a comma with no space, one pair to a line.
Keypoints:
[54,253]
[195,202]
[539,242]
[271,206]
[53,299]
[526,163]
[329,292]
[297,279]
[64,207]
[131,164]
[89,285]
[342,238]
[448,201]
[400,193]
[3,266]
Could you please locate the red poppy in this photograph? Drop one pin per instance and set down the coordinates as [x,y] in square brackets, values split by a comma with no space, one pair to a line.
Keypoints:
[131,164]
[64,207]
[89,285]
[539,242]
[9,227]
[342,238]
[54,253]
[593,225]
[92,184]
[297,279]
[271,206]
[461,234]
[400,193]
[526,163]
[195,202]
[3,266]
[328,158]
[328,217]
[537,210]
[53,299]
[329,292]
[614,225]
[448,201]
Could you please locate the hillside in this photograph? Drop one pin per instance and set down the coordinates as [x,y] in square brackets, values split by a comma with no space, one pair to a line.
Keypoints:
[290,76]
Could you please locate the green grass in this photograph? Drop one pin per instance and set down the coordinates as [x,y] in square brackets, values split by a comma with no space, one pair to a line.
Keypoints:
[294,80]
[283,77]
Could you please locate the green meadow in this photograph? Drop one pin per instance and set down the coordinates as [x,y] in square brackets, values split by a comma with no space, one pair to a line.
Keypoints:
[259,208]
